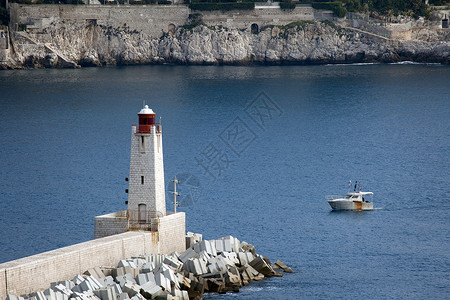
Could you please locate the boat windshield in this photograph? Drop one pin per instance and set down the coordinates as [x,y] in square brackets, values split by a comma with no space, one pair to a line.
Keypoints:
[348,196]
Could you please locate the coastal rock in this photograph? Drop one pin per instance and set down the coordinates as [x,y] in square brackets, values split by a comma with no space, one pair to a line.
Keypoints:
[68,43]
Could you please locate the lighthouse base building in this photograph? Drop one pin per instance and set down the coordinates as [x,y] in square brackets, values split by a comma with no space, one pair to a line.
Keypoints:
[146,193]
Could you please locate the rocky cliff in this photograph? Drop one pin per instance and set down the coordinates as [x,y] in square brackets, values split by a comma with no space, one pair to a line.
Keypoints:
[68,44]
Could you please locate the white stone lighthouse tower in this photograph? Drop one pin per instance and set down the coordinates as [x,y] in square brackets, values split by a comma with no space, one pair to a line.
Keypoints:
[146,194]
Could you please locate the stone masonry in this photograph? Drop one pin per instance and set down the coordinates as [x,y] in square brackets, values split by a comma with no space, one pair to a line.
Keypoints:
[147,172]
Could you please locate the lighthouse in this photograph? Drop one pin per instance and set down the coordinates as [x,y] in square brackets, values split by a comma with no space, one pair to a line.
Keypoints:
[146,217]
[146,194]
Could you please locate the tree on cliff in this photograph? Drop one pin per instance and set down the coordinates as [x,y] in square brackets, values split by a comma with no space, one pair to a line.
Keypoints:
[416,8]
[4,15]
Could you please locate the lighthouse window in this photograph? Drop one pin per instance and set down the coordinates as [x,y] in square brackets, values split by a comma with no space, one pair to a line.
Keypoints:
[142,145]
[142,179]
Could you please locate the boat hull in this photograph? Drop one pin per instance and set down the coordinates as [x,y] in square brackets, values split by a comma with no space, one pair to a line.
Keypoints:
[350,205]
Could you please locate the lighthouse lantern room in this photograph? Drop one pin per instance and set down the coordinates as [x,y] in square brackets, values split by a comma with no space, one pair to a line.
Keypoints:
[146,120]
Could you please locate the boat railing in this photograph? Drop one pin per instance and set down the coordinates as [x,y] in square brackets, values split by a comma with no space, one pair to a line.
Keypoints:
[333,197]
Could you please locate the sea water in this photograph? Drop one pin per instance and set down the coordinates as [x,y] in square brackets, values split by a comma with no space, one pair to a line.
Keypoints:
[257,149]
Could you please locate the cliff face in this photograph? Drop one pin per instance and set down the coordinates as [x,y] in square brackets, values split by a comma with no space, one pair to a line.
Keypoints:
[67,43]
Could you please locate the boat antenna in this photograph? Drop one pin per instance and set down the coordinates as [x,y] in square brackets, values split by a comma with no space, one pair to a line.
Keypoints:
[349,185]
[354,188]
[359,185]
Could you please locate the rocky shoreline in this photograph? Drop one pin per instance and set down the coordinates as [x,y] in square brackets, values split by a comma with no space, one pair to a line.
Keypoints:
[216,266]
[70,44]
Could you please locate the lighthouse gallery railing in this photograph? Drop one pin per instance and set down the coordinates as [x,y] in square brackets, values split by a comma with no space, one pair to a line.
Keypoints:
[143,220]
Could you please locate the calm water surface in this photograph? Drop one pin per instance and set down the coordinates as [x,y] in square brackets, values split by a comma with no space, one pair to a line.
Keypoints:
[263,170]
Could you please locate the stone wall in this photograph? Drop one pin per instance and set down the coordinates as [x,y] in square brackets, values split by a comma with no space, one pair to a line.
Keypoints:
[36,272]
[110,224]
[155,20]
[152,20]
[172,232]
[271,15]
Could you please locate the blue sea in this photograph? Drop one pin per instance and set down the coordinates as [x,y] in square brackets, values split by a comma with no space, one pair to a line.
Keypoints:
[257,149]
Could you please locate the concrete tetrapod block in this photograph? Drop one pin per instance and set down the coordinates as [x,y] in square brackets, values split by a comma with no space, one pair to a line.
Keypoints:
[156,259]
[248,248]
[183,281]
[141,279]
[206,246]
[137,262]
[84,286]
[227,245]
[138,297]
[147,267]
[197,248]
[94,282]
[231,256]
[189,242]
[204,256]
[124,296]
[61,296]
[219,246]
[173,262]
[121,271]
[231,244]
[251,273]
[107,293]
[260,265]
[213,248]
[78,279]
[169,274]
[123,263]
[279,265]
[245,258]
[62,289]
[108,280]
[197,266]
[144,278]
[131,288]
[69,284]
[150,290]
[213,268]
[186,255]
[39,295]
[130,277]
[117,289]
[163,282]
[175,255]
[50,294]
[196,290]
[197,236]
[96,272]
[184,295]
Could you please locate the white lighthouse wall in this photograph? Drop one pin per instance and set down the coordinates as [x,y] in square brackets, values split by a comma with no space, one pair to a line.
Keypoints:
[146,160]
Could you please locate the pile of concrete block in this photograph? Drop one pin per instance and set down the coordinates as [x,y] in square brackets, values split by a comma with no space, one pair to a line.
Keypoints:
[220,266]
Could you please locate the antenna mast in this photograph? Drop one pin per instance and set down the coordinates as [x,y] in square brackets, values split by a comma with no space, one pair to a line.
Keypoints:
[175,194]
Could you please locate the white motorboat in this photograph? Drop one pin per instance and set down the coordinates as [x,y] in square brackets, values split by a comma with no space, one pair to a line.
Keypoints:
[352,201]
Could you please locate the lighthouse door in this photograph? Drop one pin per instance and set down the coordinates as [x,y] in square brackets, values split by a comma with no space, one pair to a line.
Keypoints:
[142,212]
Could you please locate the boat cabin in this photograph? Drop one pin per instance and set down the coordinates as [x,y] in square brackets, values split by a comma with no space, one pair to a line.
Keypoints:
[360,197]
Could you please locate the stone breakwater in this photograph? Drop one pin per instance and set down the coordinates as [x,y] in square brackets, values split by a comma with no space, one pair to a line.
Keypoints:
[67,43]
[222,265]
